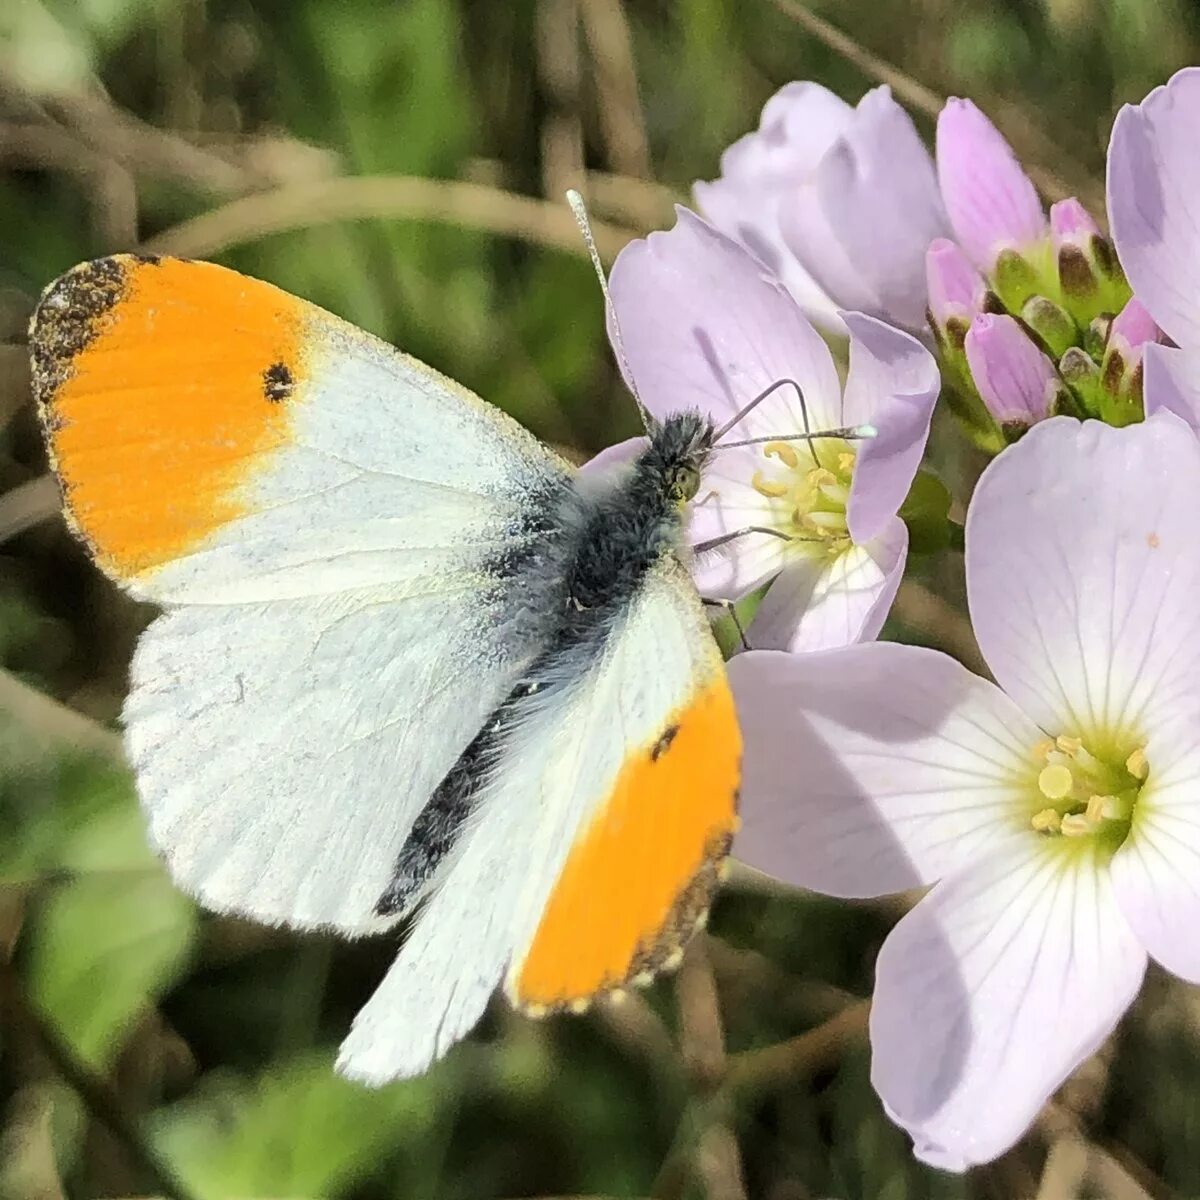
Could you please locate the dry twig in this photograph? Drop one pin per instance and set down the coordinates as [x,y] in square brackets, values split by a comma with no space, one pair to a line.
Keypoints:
[392,197]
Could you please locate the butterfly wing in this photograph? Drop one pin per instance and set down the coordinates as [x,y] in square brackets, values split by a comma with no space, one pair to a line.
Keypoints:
[335,530]
[596,844]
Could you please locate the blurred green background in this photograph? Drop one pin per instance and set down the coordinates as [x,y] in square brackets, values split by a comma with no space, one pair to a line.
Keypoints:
[147,1049]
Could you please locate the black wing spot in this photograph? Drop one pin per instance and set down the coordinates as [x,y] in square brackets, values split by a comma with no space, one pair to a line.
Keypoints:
[664,743]
[278,382]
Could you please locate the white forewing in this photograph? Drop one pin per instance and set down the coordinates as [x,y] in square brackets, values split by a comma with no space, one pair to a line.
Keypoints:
[326,657]
[392,474]
[557,768]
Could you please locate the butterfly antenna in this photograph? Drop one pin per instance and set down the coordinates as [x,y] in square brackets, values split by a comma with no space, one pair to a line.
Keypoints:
[575,200]
[847,433]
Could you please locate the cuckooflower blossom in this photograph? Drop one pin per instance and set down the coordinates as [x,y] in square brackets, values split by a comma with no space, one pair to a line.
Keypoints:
[1153,174]
[839,202]
[705,325]
[1056,811]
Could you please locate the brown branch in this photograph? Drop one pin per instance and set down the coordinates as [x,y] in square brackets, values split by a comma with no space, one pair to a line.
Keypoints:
[45,718]
[97,1094]
[28,504]
[799,1057]
[621,117]
[397,197]
[561,134]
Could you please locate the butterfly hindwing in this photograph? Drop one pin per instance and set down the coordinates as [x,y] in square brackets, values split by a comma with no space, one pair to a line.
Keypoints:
[593,852]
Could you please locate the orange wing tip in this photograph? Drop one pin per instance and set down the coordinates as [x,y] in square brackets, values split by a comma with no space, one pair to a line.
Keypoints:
[161,385]
[653,853]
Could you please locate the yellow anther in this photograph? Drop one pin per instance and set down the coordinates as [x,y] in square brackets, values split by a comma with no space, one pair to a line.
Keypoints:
[1069,745]
[837,492]
[1055,781]
[782,451]
[826,522]
[1043,749]
[1046,821]
[1137,764]
[1103,808]
[1076,825]
[772,488]
[820,475]
[845,462]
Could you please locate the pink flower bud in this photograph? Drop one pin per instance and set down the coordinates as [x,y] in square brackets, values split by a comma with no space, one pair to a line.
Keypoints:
[955,287]
[991,202]
[1017,381]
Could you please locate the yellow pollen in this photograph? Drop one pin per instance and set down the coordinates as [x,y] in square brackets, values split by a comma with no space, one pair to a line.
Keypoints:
[820,475]
[1042,749]
[1076,825]
[1055,782]
[768,487]
[845,463]
[782,451]
[1069,745]
[1137,764]
[1046,821]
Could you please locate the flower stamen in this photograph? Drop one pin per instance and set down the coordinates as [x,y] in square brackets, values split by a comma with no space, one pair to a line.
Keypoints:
[1137,765]
[1087,794]
[782,451]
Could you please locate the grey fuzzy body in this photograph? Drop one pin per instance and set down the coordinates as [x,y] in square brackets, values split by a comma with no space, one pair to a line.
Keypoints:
[573,568]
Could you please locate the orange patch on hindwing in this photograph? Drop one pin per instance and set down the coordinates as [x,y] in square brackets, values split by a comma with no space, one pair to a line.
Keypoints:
[161,385]
[639,879]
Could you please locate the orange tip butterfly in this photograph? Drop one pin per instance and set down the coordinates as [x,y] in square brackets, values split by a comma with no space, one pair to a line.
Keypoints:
[410,663]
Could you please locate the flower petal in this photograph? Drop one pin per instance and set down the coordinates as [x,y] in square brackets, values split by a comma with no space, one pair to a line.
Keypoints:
[819,603]
[990,200]
[866,253]
[1016,380]
[704,326]
[1153,180]
[893,384]
[799,123]
[991,991]
[618,453]
[1171,381]
[1083,569]
[956,289]
[727,503]
[875,768]
[1156,873]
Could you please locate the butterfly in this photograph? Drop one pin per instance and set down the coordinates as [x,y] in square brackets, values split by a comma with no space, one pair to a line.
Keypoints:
[410,663]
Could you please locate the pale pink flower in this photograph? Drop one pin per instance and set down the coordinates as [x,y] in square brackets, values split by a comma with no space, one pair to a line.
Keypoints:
[839,202]
[1056,812]
[1153,176]
[706,326]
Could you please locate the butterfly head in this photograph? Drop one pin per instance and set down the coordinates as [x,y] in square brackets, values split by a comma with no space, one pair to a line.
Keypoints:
[679,449]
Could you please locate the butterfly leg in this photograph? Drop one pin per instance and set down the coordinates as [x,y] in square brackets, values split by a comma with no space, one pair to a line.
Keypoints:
[725,538]
[731,611]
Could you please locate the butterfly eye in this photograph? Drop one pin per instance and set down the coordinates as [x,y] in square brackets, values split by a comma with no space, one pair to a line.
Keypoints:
[685,484]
